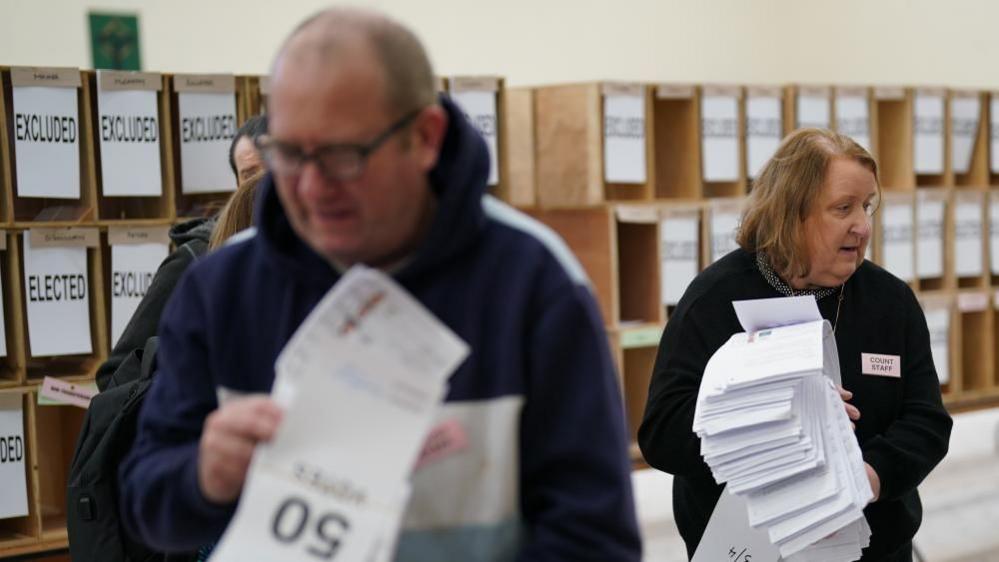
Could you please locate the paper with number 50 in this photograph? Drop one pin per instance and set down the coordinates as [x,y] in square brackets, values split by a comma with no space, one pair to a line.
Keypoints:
[359,395]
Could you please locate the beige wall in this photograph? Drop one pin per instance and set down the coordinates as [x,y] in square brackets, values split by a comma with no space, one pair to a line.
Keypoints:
[947,42]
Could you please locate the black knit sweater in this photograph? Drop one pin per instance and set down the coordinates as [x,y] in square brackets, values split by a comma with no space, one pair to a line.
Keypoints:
[903,430]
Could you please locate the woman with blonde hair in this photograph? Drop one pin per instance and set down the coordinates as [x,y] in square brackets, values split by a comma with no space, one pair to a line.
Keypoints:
[804,232]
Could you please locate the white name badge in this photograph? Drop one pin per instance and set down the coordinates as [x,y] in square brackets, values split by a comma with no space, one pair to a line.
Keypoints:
[129,131]
[480,108]
[46,142]
[624,139]
[206,127]
[57,287]
[13,455]
[881,365]
[132,271]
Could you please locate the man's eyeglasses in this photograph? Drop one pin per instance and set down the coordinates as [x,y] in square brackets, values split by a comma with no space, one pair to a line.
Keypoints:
[336,162]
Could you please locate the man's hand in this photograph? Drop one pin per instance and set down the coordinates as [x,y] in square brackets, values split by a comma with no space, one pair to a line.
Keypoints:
[851,411]
[875,481]
[227,442]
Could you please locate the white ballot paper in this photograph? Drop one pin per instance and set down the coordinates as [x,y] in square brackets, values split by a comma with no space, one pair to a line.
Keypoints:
[994,232]
[938,323]
[680,236]
[897,241]
[929,235]
[773,428]
[994,133]
[813,111]
[480,108]
[968,240]
[369,356]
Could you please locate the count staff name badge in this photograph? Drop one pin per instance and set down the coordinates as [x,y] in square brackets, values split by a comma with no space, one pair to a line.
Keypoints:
[881,365]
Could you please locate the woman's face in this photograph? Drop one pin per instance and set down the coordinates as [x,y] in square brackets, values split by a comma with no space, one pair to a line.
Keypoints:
[838,226]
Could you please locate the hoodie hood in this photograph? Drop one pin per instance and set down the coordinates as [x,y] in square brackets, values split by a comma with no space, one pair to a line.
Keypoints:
[458,181]
[194,229]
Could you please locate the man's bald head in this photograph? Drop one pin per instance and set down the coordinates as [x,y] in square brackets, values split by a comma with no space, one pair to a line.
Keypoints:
[338,35]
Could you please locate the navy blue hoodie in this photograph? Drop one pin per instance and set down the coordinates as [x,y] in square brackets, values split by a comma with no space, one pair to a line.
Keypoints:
[545,475]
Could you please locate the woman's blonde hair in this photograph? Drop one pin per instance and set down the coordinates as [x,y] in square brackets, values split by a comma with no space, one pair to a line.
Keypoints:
[783,195]
[237,214]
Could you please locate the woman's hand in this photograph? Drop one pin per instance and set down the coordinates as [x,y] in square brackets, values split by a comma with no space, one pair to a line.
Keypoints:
[851,411]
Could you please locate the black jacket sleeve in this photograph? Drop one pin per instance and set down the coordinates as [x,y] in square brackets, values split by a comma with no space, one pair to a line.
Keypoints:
[146,319]
[666,436]
[918,438]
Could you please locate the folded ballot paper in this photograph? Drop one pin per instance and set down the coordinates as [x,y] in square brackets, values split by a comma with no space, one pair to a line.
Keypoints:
[360,383]
[774,430]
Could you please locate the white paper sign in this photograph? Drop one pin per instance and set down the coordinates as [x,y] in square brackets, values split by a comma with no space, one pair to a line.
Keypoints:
[679,263]
[724,225]
[813,111]
[13,455]
[853,119]
[128,129]
[56,287]
[764,129]
[729,537]
[929,131]
[47,142]
[964,115]
[994,133]
[720,137]
[480,108]
[132,269]
[897,240]
[3,323]
[207,125]
[994,231]
[968,239]
[624,139]
[938,323]
[930,237]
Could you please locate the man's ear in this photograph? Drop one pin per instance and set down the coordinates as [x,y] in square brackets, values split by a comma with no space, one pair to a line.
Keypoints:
[428,134]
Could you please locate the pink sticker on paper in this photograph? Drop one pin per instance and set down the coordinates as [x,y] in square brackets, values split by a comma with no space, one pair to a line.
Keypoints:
[444,440]
[881,365]
[66,392]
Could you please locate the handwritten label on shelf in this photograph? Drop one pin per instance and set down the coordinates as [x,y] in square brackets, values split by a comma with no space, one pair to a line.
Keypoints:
[968,242]
[930,236]
[480,109]
[624,138]
[13,455]
[929,133]
[129,132]
[58,304]
[938,323]
[897,243]
[853,118]
[679,260]
[46,128]
[720,137]
[813,109]
[764,130]
[132,269]
[994,232]
[207,124]
[964,116]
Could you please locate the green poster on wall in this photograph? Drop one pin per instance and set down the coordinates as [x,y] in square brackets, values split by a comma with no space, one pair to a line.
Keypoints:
[114,41]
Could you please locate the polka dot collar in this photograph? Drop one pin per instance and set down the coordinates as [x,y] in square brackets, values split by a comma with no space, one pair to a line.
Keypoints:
[774,280]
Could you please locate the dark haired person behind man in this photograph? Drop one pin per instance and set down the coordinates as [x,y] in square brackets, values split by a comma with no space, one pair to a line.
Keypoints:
[369,166]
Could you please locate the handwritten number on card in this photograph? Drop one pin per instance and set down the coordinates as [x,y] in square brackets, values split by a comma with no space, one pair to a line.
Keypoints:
[292,518]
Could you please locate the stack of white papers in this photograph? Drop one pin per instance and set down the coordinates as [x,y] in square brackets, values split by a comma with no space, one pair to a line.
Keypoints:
[773,427]
[360,383]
